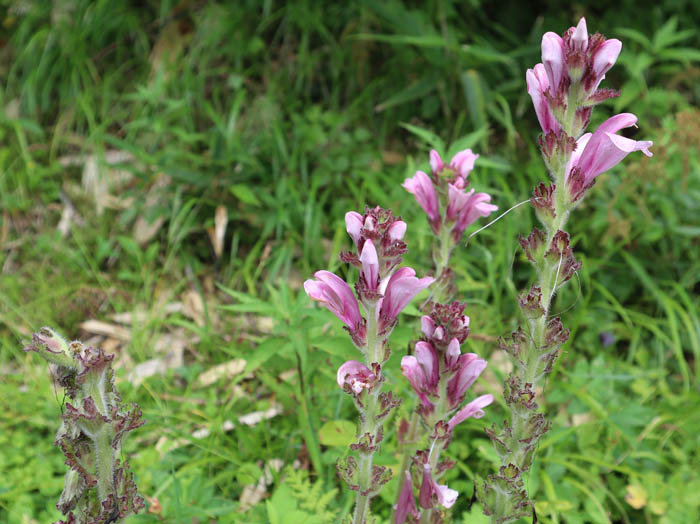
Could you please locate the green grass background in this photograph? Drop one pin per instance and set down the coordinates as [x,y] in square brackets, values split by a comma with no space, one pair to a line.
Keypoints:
[289,114]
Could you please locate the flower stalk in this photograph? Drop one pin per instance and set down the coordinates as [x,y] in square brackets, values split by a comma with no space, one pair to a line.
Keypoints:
[564,88]
[440,375]
[98,487]
[383,291]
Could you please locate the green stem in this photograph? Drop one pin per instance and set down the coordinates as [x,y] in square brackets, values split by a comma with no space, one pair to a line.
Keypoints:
[548,281]
[369,422]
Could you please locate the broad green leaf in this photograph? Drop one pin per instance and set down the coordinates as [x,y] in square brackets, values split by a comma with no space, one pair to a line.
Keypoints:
[338,433]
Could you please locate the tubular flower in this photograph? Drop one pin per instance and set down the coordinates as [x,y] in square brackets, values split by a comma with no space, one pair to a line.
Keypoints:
[406,504]
[422,371]
[422,188]
[403,286]
[468,367]
[474,409]
[476,206]
[336,295]
[596,153]
[429,489]
[537,87]
[356,376]
[370,266]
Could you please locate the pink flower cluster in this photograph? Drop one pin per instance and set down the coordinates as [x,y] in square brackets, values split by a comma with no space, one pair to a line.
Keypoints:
[438,360]
[382,290]
[440,375]
[443,197]
[564,88]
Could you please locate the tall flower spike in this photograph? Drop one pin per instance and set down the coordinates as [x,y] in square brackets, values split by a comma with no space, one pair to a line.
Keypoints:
[383,292]
[575,64]
[98,486]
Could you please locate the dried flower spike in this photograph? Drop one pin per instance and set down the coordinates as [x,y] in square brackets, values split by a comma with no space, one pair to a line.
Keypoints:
[99,488]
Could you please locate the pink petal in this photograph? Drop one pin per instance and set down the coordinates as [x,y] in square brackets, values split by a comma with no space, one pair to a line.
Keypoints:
[553,58]
[403,286]
[356,374]
[370,265]
[427,357]
[605,149]
[435,161]
[397,230]
[422,188]
[576,155]
[353,225]
[463,162]
[579,38]
[427,326]
[452,354]
[537,85]
[605,56]
[427,488]
[477,206]
[406,503]
[469,367]
[446,496]
[474,409]
[457,200]
[336,295]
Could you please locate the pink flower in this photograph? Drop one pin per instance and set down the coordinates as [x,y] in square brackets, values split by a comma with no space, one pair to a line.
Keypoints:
[422,188]
[579,38]
[403,286]
[406,504]
[604,57]
[604,149]
[477,206]
[435,161]
[422,371]
[446,497]
[537,86]
[353,225]
[336,295]
[462,163]
[469,367]
[370,265]
[356,375]
[396,230]
[457,200]
[427,326]
[474,409]
[554,59]
[452,354]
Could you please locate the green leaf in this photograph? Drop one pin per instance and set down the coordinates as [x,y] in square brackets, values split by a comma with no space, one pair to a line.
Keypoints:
[263,352]
[414,91]
[243,193]
[339,433]
[429,137]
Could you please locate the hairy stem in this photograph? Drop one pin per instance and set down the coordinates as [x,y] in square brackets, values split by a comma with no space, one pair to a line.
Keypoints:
[369,422]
